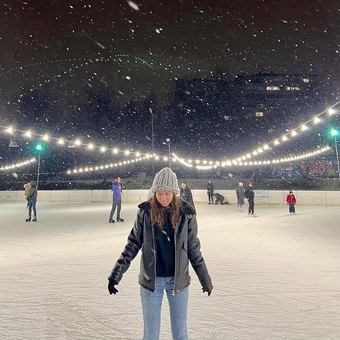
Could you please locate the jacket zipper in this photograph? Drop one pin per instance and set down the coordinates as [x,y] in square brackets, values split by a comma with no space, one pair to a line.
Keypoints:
[176,260]
[175,274]
[154,250]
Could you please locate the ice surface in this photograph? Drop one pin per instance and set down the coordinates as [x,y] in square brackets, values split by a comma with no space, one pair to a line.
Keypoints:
[275,277]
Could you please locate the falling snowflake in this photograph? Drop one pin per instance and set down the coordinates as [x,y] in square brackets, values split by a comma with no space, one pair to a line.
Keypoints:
[133,5]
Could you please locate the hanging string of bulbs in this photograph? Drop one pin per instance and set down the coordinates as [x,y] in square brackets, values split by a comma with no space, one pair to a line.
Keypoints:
[240,160]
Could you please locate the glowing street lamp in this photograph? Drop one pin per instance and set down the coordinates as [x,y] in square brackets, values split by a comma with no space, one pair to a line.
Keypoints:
[167,141]
[152,141]
[334,133]
[39,147]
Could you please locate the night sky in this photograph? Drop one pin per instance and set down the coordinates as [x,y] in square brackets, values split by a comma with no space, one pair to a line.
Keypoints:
[141,47]
[176,38]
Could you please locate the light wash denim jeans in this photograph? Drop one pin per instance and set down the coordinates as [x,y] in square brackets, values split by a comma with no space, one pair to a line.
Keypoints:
[152,305]
[32,205]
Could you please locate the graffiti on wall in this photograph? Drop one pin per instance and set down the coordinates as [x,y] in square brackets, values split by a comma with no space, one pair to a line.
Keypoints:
[316,168]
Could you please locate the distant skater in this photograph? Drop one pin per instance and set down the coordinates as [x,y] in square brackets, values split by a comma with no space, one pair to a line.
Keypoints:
[239,196]
[220,199]
[210,192]
[116,200]
[250,196]
[32,202]
[186,194]
[291,201]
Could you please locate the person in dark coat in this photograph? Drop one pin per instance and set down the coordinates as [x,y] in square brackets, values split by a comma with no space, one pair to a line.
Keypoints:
[220,199]
[32,202]
[165,231]
[186,194]
[250,196]
[240,196]
[210,192]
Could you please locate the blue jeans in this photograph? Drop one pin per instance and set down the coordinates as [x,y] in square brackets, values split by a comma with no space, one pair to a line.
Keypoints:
[152,304]
[32,205]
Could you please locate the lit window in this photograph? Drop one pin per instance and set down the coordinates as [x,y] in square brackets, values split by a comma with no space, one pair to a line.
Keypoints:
[259,114]
[292,88]
[272,88]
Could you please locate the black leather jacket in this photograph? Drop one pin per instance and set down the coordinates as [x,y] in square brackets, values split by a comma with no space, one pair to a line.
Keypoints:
[187,248]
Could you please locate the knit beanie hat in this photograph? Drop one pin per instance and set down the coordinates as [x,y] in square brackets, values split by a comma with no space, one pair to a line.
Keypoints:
[165,179]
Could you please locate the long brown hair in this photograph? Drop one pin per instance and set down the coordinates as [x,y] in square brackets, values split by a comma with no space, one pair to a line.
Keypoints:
[157,211]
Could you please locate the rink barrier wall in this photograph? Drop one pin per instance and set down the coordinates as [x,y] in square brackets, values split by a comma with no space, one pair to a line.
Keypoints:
[265,197]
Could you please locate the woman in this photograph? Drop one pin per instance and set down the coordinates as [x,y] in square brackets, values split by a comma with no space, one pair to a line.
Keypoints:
[186,194]
[166,231]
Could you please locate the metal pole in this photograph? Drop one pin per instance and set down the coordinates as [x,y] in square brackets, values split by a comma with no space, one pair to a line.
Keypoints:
[38,171]
[152,145]
[337,156]
[170,155]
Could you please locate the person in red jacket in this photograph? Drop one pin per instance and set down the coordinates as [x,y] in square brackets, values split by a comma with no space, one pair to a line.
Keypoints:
[291,201]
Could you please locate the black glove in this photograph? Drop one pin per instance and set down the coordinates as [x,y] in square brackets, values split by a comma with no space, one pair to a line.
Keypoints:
[111,286]
[208,290]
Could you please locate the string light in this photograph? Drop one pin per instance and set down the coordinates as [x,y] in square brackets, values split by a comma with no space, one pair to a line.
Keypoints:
[111,165]
[255,163]
[187,163]
[70,143]
[316,120]
[303,127]
[28,134]
[17,165]
[10,130]
[238,160]
[198,164]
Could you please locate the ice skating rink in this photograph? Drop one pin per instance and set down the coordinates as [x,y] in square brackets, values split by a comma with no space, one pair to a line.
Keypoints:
[276,276]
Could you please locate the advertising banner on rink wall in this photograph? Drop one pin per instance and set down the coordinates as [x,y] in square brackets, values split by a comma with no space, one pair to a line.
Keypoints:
[261,196]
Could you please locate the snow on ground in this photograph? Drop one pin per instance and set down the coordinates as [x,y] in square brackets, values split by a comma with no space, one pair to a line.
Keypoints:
[276,276]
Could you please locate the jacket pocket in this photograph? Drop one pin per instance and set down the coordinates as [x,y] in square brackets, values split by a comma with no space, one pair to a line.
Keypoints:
[147,246]
[183,259]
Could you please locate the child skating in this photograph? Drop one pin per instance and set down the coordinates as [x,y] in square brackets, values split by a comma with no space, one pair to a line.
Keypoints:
[291,201]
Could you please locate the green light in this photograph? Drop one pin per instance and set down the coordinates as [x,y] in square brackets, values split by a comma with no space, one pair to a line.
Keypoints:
[334,132]
[39,147]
